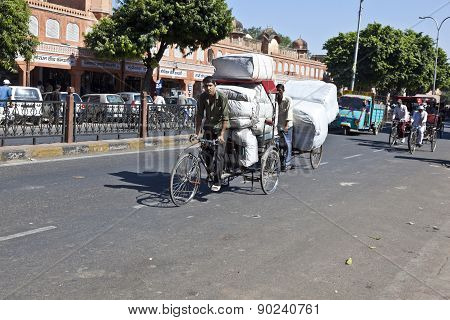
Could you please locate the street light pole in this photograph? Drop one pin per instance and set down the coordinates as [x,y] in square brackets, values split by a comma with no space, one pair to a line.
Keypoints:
[438,27]
[355,58]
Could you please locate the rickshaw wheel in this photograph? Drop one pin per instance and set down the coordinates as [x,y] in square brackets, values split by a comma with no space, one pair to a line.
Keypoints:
[315,157]
[412,139]
[185,180]
[270,170]
[433,140]
[393,136]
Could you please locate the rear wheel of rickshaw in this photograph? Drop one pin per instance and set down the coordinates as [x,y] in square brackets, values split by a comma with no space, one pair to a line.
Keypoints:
[433,140]
[315,157]
[393,136]
[270,170]
[412,139]
[185,179]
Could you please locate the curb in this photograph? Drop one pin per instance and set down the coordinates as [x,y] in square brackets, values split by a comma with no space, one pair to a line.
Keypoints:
[58,150]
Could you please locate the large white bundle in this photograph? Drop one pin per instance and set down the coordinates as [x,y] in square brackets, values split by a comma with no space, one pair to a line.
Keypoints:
[310,125]
[248,141]
[245,66]
[315,91]
[248,106]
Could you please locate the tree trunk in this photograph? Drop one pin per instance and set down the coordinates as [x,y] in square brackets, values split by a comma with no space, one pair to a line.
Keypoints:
[149,82]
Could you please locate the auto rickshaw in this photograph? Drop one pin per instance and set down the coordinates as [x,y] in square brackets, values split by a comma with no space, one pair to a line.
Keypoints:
[360,113]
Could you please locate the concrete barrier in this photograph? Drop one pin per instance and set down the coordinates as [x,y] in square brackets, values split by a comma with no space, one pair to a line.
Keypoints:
[60,150]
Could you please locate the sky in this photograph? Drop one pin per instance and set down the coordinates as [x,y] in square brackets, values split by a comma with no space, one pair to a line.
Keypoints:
[318,20]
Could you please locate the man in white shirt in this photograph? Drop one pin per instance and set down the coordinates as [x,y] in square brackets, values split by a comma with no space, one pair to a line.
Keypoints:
[285,123]
[158,100]
[420,123]
[401,114]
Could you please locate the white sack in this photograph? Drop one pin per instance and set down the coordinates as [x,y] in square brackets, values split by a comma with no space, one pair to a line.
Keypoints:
[242,109]
[247,140]
[240,123]
[244,67]
[315,91]
[310,125]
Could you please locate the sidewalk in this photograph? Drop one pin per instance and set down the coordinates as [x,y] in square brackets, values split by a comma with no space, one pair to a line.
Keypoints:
[58,150]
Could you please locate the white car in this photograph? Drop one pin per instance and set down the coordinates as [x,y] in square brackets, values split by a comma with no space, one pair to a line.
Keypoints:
[26,104]
[101,106]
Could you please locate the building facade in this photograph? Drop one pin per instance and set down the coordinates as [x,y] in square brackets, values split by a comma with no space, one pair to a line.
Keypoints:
[61,57]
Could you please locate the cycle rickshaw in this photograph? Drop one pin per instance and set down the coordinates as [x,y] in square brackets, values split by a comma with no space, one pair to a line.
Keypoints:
[186,176]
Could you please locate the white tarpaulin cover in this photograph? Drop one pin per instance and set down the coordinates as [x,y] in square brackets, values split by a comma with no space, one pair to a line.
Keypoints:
[246,66]
[248,141]
[249,106]
[310,125]
[315,91]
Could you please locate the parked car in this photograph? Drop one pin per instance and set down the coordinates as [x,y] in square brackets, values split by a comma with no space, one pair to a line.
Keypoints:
[132,103]
[47,108]
[98,106]
[26,104]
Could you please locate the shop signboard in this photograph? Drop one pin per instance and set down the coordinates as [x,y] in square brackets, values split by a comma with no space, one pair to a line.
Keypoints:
[100,64]
[136,68]
[200,76]
[173,73]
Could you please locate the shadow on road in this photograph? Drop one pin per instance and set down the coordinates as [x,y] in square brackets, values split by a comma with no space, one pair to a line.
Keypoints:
[153,188]
[444,163]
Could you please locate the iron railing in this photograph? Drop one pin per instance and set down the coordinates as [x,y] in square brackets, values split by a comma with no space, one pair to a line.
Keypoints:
[34,120]
[31,119]
[171,117]
[106,119]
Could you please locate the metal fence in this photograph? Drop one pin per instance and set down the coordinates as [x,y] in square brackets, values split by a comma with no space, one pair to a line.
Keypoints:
[171,118]
[43,122]
[31,119]
[106,119]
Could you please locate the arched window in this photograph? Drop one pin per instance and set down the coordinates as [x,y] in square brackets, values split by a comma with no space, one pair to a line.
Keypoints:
[33,26]
[297,69]
[321,74]
[291,68]
[52,29]
[210,55]
[200,55]
[312,73]
[317,73]
[286,67]
[88,30]
[302,70]
[280,67]
[72,32]
[307,71]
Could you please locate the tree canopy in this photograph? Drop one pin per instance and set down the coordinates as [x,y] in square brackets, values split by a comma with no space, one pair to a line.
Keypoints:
[256,31]
[144,29]
[15,37]
[389,59]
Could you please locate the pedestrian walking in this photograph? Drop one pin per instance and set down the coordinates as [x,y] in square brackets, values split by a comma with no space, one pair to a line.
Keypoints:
[56,98]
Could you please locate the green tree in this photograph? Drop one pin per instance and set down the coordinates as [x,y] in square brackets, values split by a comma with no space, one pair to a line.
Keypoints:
[255,32]
[144,29]
[389,60]
[15,37]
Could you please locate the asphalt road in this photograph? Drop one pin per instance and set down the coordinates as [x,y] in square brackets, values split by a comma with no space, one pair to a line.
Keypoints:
[103,228]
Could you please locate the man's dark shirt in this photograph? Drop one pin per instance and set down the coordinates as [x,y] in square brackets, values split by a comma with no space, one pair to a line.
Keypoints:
[216,110]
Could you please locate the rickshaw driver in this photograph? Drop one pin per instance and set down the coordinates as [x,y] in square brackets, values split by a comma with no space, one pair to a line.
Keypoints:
[402,115]
[213,105]
[420,123]
[285,123]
